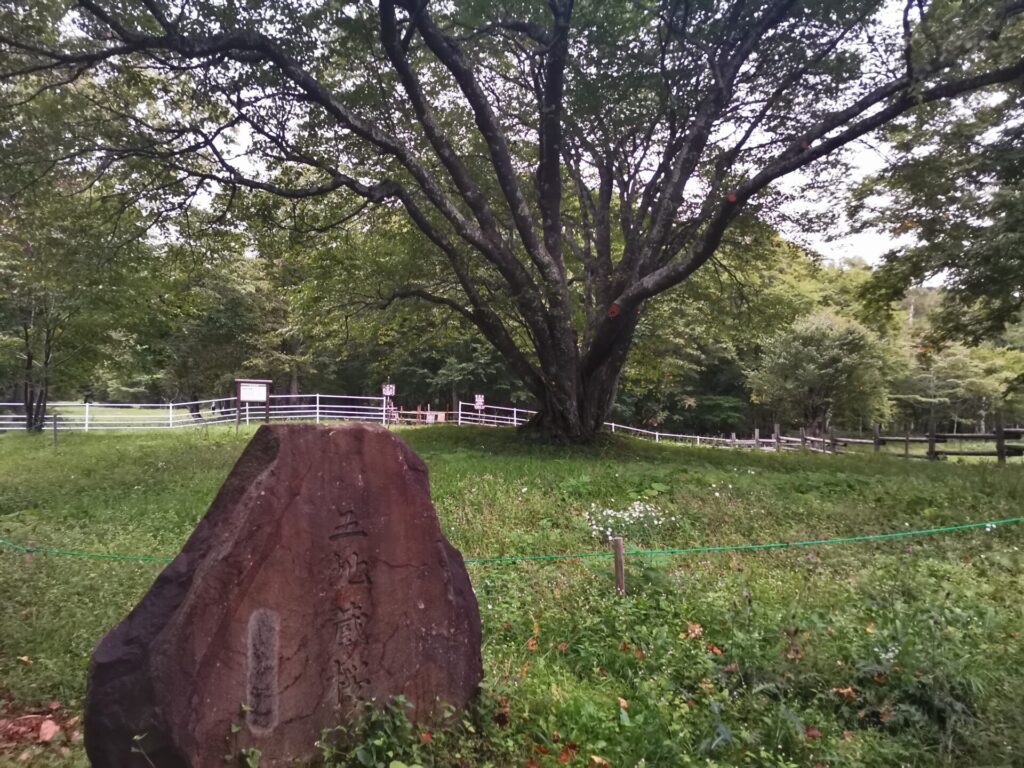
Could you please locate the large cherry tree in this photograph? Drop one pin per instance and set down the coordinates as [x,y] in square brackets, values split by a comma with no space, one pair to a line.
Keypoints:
[565,161]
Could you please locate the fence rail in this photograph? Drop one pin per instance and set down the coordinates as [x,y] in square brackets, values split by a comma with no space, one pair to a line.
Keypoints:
[321,408]
[197,413]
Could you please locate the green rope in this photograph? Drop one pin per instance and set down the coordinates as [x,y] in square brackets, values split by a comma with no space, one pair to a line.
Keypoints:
[582,555]
[78,553]
[749,547]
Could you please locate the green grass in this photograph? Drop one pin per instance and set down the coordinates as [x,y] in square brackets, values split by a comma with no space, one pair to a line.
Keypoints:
[905,652]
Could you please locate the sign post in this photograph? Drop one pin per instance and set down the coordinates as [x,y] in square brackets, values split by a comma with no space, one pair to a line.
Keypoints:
[478,403]
[252,391]
[388,390]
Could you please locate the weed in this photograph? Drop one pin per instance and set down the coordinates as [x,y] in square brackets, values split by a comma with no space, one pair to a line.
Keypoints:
[890,653]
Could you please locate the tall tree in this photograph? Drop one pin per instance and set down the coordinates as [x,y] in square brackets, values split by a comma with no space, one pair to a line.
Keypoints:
[67,274]
[567,161]
[823,370]
[955,194]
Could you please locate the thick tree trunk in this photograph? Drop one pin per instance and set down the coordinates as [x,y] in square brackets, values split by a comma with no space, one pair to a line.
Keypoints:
[28,391]
[28,404]
[194,408]
[293,384]
[579,397]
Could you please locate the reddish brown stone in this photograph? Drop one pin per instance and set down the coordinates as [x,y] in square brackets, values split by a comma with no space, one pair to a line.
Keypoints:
[318,579]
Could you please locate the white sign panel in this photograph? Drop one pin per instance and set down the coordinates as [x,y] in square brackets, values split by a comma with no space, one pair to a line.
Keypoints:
[252,393]
[478,401]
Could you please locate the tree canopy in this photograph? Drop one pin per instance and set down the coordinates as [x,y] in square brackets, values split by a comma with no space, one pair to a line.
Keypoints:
[563,163]
[955,190]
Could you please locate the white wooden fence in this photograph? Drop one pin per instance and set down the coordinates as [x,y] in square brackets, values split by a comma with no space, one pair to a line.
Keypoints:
[197,413]
[318,408]
[495,415]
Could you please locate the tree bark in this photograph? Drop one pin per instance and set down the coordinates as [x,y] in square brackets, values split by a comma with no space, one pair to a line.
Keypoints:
[577,398]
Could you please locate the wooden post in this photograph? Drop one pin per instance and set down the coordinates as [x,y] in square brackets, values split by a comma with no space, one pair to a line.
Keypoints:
[777,437]
[803,437]
[732,440]
[620,565]
[87,416]
[757,438]
[55,430]
[906,446]
[170,414]
[932,455]
[317,407]
[878,437]
[832,438]
[1000,438]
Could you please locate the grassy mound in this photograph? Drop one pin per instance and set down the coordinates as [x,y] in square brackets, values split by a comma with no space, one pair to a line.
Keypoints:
[902,652]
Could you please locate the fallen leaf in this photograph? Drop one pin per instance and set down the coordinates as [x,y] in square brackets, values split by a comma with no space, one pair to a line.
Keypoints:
[25,660]
[870,628]
[846,693]
[811,732]
[426,737]
[731,668]
[880,678]
[639,654]
[541,749]
[692,630]
[794,652]
[562,646]
[884,715]
[847,735]
[25,757]
[48,730]
[568,753]
[623,703]
[502,716]
[531,644]
[598,760]
[714,649]
[531,763]
[556,736]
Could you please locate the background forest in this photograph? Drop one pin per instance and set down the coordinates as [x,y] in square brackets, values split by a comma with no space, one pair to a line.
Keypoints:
[770,333]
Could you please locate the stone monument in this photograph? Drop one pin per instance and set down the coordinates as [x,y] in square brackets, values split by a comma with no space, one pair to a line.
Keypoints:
[318,580]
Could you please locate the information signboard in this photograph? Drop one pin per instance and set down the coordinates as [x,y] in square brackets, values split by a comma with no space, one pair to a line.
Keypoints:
[253,392]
